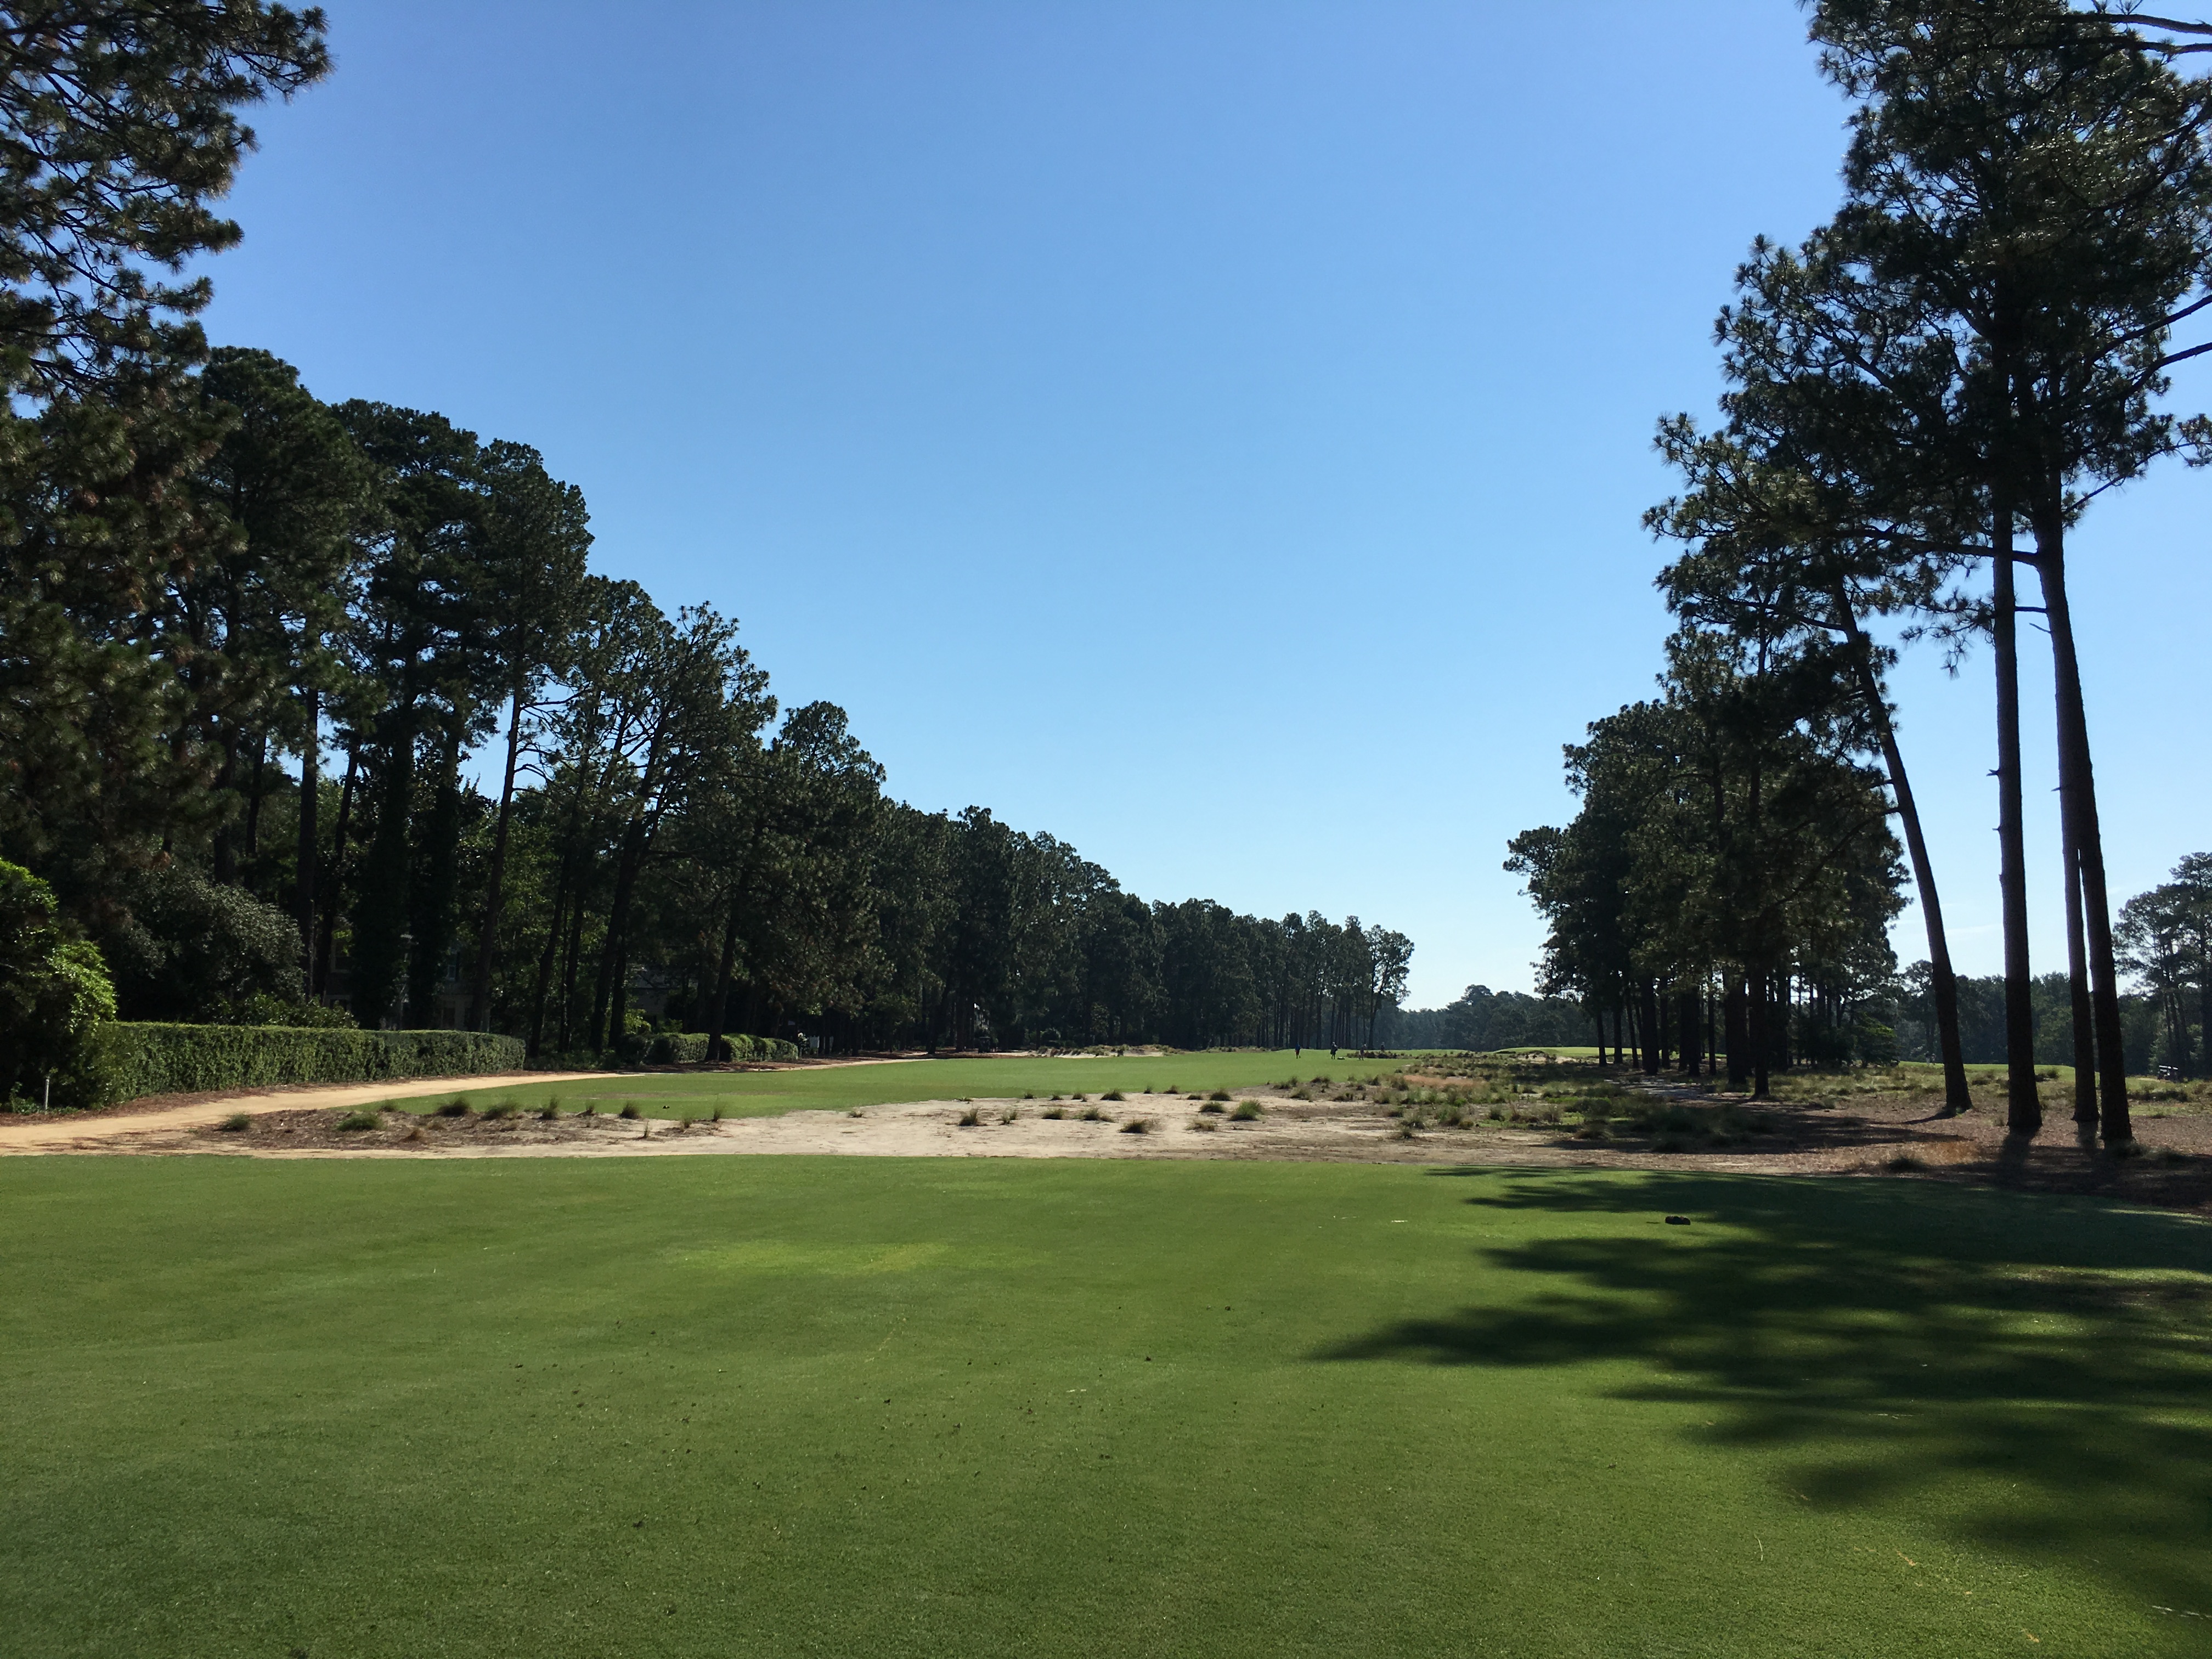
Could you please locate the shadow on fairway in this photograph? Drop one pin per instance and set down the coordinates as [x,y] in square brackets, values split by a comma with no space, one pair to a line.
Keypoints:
[2037,1367]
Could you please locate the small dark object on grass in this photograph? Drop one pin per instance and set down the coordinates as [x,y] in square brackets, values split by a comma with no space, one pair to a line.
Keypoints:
[1678,1221]
[629,1109]
[969,1120]
[353,1121]
[235,1122]
[1248,1111]
[1138,1126]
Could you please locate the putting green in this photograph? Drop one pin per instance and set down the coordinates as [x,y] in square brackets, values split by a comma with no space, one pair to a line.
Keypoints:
[874,1407]
[840,1088]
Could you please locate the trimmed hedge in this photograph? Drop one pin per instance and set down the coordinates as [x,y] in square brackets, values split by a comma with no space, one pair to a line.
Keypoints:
[149,1059]
[689,1048]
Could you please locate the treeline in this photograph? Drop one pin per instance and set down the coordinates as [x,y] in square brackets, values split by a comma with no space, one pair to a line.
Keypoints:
[255,647]
[1483,1020]
[1922,399]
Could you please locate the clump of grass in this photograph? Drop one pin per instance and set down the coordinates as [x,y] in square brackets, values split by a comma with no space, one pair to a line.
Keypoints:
[1010,1115]
[1138,1126]
[1081,1096]
[1031,1094]
[1218,1094]
[1204,1125]
[686,1124]
[969,1119]
[415,1133]
[455,1108]
[1055,1111]
[354,1120]
[497,1111]
[1056,1096]
[1302,1094]
[629,1110]
[714,1116]
[1248,1111]
[236,1123]
[1902,1163]
[1213,1106]
[590,1110]
[856,1112]
[1092,1115]
[1113,1094]
[549,1111]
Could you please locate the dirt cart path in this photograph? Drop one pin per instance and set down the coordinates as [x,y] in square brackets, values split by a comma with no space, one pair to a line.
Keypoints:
[56,1134]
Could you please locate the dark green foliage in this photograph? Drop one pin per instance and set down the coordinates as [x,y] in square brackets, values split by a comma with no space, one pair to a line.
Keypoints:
[54,1000]
[356,1120]
[192,949]
[171,1059]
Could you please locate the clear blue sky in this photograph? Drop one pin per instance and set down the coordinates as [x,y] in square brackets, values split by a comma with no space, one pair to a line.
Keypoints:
[1212,433]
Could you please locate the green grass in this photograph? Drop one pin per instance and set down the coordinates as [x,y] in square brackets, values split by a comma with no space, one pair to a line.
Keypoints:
[841,1088]
[874,1406]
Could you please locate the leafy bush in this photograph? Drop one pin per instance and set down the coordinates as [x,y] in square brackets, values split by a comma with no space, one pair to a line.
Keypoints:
[55,1003]
[160,1059]
[195,949]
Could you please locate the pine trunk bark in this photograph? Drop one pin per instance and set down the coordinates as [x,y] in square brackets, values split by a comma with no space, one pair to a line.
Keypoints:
[303,894]
[2023,1107]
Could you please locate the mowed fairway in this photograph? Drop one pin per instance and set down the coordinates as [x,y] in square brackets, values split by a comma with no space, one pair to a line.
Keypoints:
[841,1088]
[875,1407]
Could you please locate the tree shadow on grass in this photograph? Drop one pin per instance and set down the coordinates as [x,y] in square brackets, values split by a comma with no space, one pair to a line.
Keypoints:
[2042,1362]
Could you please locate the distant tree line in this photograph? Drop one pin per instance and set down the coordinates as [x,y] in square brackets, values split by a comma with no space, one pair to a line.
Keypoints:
[1483,1020]
[1922,399]
[254,648]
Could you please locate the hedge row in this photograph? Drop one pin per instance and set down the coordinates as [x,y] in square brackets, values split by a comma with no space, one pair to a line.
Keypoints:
[162,1059]
[689,1048]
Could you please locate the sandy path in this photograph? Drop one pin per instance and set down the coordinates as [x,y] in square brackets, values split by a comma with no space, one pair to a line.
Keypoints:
[86,1135]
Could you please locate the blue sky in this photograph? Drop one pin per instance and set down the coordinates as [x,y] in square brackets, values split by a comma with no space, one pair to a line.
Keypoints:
[1212,433]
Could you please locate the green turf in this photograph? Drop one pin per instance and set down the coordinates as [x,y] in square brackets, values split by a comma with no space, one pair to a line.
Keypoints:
[840,1088]
[884,1408]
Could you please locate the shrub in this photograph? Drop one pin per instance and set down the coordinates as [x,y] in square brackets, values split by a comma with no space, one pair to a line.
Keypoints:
[1248,1111]
[161,1059]
[55,1002]
[629,1110]
[358,1120]
[191,948]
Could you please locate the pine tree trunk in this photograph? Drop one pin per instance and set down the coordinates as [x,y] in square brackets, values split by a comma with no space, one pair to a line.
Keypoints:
[327,944]
[2023,1107]
[545,960]
[1943,984]
[2077,786]
[303,875]
[2077,985]
[1736,1011]
[488,934]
